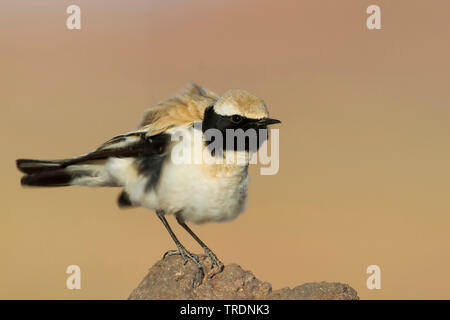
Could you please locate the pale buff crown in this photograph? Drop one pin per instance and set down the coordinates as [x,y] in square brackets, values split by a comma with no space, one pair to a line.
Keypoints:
[243,103]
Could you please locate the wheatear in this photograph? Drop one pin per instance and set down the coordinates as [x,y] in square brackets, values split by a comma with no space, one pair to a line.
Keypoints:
[140,162]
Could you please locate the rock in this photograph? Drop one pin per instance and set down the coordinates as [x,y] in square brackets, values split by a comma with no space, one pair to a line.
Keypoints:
[170,279]
[317,291]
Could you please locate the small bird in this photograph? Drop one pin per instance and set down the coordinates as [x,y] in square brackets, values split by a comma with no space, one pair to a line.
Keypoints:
[140,162]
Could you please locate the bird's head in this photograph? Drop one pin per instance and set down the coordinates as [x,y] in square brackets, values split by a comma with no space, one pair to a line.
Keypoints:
[239,109]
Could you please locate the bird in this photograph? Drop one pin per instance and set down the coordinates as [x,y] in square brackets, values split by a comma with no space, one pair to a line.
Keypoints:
[141,162]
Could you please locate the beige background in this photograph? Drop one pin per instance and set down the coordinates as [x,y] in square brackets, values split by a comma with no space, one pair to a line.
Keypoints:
[364,176]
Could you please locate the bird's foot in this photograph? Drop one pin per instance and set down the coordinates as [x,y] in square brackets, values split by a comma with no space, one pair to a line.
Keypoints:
[215,262]
[186,255]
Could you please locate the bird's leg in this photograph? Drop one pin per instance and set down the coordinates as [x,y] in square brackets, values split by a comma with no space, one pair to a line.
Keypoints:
[214,260]
[181,249]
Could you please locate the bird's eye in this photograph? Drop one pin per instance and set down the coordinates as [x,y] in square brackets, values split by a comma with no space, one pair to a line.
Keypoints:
[236,118]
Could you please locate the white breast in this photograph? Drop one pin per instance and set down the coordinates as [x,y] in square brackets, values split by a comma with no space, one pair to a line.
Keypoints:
[199,192]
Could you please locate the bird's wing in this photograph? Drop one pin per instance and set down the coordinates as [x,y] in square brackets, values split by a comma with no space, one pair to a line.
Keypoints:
[182,109]
[132,144]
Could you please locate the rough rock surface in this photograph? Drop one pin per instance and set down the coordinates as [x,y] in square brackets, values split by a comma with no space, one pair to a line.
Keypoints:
[169,278]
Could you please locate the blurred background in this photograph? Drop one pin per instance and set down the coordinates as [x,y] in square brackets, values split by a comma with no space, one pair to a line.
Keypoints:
[364,158]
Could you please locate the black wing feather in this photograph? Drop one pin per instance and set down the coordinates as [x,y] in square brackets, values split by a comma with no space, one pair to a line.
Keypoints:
[135,144]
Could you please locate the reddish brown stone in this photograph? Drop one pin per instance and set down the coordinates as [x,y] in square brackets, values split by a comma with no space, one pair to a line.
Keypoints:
[170,279]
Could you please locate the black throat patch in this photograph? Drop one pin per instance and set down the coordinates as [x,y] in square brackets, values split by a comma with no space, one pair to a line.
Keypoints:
[236,131]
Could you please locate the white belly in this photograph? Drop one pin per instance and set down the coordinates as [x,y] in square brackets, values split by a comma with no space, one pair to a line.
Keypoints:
[198,196]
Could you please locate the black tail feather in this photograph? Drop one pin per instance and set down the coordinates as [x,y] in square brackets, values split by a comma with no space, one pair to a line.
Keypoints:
[53,178]
[48,173]
[30,166]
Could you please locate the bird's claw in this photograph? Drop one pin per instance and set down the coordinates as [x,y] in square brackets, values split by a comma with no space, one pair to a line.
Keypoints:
[215,262]
[186,255]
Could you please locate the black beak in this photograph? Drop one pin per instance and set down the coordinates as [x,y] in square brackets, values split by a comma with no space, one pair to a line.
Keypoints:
[267,121]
